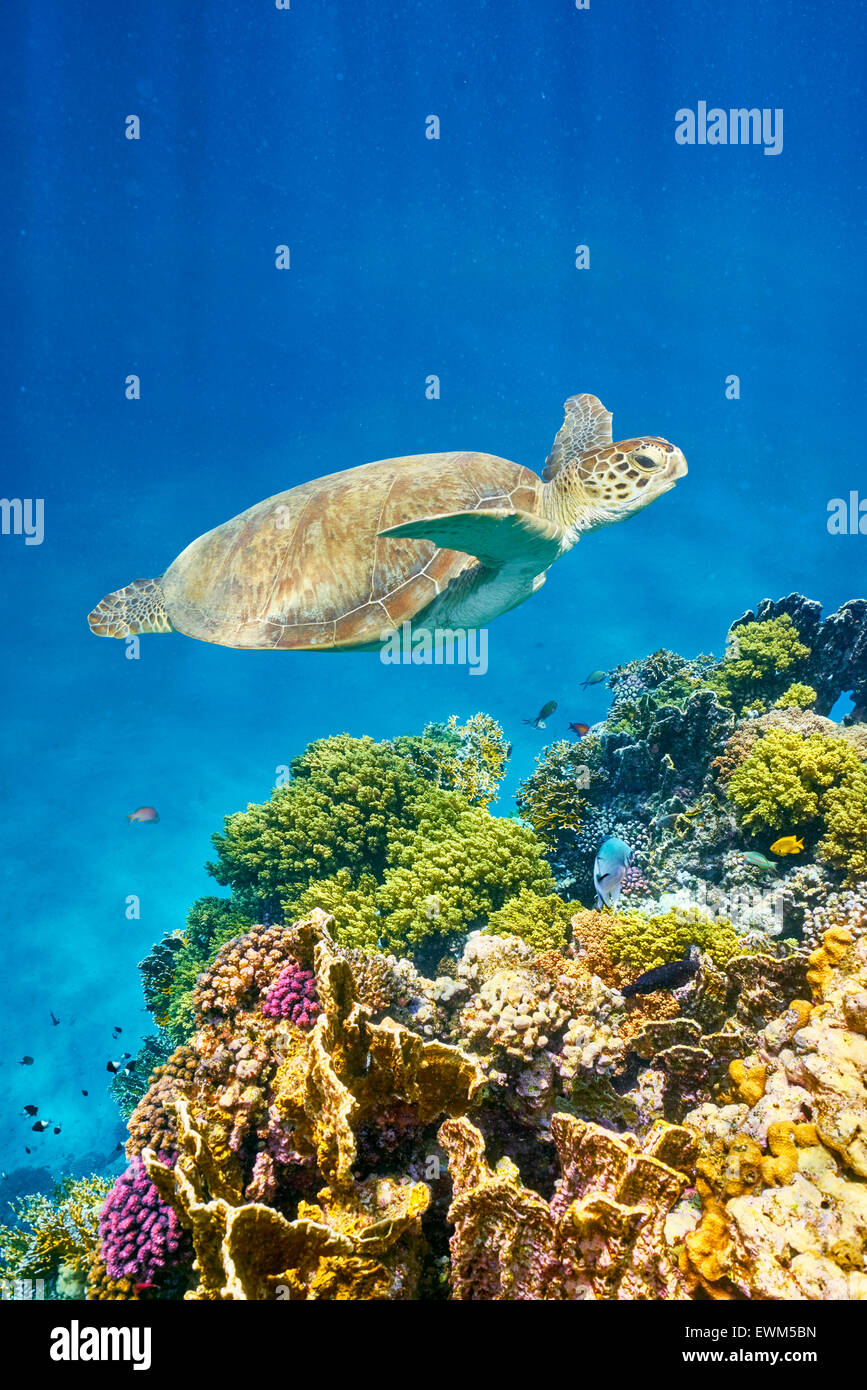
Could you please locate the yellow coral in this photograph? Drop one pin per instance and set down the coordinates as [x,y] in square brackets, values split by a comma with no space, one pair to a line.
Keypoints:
[835,943]
[749,1082]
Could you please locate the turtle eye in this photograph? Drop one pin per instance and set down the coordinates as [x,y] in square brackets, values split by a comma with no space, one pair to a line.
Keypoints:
[645,461]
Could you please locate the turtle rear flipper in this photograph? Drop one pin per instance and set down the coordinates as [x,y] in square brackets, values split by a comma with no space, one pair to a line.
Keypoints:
[516,538]
[140,607]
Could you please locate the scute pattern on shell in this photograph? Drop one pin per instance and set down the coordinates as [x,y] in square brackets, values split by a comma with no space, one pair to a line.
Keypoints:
[306,568]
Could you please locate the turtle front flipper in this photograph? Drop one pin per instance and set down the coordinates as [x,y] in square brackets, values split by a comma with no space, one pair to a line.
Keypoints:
[516,539]
[140,607]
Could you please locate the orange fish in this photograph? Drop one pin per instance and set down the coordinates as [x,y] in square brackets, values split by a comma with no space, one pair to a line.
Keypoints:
[580,729]
[144,813]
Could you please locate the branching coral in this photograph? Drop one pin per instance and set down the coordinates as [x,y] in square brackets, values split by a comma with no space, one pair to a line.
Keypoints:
[54,1234]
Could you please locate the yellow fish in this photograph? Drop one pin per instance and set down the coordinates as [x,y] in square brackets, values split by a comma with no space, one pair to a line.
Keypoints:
[789,844]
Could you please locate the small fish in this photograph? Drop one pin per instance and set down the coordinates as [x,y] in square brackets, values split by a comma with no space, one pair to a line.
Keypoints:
[788,844]
[593,679]
[57,1129]
[579,730]
[539,721]
[753,857]
[613,858]
[140,1288]
[26,1062]
[673,975]
[84,1093]
[119,1064]
[54,1019]
[144,813]
[116,1032]
[30,1110]
[26,1150]
[40,1126]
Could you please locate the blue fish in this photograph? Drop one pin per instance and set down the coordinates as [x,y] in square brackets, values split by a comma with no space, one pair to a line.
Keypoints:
[613,858]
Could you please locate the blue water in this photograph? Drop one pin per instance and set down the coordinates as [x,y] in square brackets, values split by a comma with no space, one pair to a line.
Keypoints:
[409,257]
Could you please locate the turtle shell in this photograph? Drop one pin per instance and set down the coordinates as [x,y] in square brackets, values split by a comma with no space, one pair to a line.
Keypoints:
[307,569]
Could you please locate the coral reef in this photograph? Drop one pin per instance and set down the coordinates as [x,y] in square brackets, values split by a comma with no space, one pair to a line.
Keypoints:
[54,1236]
[397,1061]
[140,1235]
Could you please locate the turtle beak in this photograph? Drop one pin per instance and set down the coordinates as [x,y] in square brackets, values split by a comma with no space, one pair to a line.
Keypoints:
[678,466]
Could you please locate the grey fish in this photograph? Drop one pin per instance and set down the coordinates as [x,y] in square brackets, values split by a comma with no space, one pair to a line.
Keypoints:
[593,679]
[613,858]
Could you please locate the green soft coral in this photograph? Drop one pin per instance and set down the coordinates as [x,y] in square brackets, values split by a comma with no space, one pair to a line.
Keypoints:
[454,870]
[644,942]
[470,758]
[346,799]
[798,696]
[784,783]
[543,920]
[554,797]
[845,842]
[760,662]
[353,906]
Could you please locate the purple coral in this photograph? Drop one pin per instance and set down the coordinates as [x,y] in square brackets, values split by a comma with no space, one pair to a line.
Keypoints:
[140,1233]
[293,996]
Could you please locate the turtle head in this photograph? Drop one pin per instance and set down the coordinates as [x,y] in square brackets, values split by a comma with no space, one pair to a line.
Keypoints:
[614,482]
[592,482]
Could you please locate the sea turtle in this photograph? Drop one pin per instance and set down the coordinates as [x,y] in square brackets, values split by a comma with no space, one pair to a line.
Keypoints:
[442,541]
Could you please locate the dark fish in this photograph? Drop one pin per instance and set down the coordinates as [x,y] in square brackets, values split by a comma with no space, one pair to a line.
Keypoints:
[26,1062]
[580,729]
[57,1129]
[118,1066]
[84,1093]
[539,721]
[54,1020]
[116,1031]
[673,975]
[31,1110]
[40,1126]
[26,1150]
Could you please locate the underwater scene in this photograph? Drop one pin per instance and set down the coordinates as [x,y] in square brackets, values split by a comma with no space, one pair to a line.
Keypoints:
[434,656]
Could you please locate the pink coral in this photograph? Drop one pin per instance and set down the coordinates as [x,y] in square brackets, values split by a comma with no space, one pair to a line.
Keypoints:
[293,996]
[141,1235]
